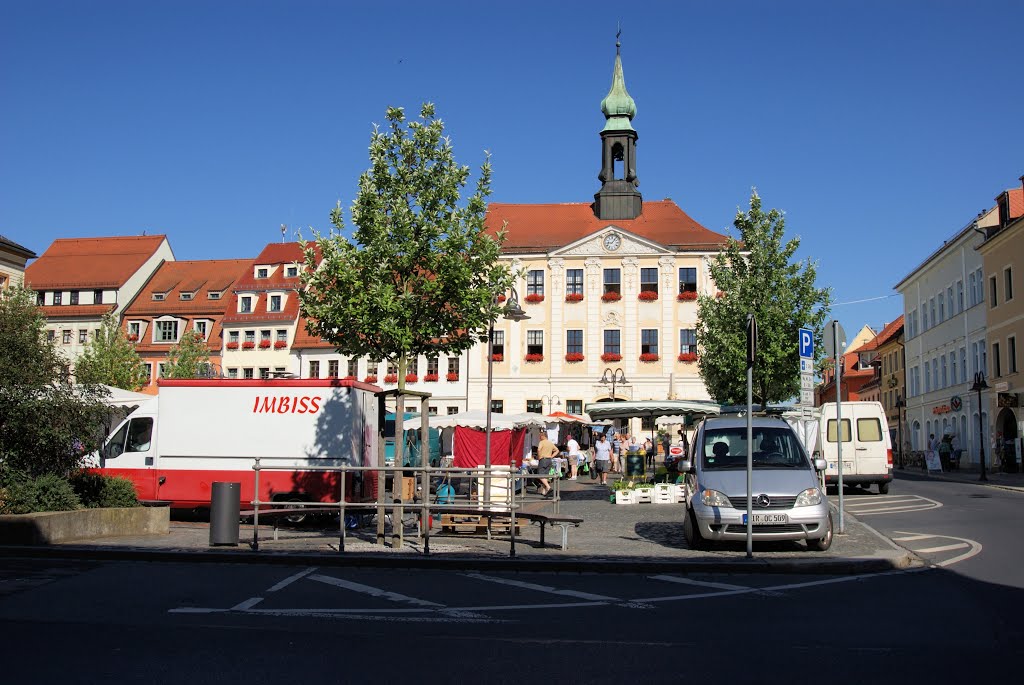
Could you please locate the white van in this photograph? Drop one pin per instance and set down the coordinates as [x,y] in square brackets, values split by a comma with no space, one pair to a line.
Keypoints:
[867,448]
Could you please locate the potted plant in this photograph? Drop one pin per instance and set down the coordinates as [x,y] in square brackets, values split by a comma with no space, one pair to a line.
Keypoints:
[534,358]
[411,378]
[371,378]
[688,296]
[574,297]
[232,345]
[430,378]
[647,296]
[349,378]
[611,357]
[133,337]
[497,357]
[391,378]
[687,356]
[248,345]
[649,357]
[611,297]
[264,344]
[573,357]
[452,377]
[622,491]
[534,298]
[280,344]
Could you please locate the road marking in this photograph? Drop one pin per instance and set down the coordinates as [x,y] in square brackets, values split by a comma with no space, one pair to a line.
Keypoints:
[689,581]
[247,604]
[890,510]
[943,548]
[877,506]
[911,538]
[541,588]
[881,500]
[291,579]
[374,592]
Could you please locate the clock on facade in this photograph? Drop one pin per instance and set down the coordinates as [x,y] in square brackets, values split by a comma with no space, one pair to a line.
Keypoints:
[612,242]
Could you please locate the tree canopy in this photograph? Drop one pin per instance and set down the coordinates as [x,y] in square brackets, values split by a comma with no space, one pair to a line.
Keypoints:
[110,358]
[420,273]
[757,274]
[47,422]
[190,358]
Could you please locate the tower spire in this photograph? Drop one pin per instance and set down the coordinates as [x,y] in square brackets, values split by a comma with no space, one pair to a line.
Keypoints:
[618,197]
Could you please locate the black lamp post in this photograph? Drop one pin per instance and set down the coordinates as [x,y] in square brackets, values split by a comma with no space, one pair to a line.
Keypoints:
[979,385]
[899,425]
[618,376]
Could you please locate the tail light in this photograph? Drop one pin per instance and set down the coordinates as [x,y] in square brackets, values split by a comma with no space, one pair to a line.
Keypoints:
[888,457]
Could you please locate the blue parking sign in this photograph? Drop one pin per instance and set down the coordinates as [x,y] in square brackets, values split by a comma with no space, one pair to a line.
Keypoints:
[806,343]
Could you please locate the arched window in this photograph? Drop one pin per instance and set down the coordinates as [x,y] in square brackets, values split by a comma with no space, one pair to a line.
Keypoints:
[617,162]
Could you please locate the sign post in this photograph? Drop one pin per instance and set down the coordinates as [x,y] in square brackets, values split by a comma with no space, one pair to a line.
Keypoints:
[837,343]
[805,345]
[751,355]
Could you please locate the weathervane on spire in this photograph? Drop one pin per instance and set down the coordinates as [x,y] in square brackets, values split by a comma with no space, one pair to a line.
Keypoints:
[618,32]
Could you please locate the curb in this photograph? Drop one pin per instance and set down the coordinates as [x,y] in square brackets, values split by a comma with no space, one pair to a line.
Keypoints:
[897,561]
[951,479]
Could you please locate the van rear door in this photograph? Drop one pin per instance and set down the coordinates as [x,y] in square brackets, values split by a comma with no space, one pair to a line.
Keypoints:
[870,441]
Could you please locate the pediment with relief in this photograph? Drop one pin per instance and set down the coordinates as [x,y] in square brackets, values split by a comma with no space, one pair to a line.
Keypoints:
[626,245]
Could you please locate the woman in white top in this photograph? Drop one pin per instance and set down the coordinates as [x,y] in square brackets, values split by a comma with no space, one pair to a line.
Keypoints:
[573,448]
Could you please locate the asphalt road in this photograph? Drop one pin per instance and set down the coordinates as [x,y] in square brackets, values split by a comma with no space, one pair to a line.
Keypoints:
[148,622]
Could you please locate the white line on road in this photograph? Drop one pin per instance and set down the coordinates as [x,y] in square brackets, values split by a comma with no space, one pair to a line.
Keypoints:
[247,604]
[976,547]
[889,510]
[877,501]
[943,548]
[541,588]
[911,538]
[688,581]
[373,591]
[291,579]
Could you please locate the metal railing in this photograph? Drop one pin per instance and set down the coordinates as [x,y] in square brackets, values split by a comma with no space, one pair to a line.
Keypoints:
[508,494]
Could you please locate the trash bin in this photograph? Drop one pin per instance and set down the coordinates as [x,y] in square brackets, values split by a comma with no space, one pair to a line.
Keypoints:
[224,507]
[635,464]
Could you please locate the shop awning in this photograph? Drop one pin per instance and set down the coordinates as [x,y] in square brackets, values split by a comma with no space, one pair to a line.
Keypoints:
[652,408]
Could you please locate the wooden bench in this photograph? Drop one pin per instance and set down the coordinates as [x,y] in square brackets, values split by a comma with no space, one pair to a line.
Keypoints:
[544,520]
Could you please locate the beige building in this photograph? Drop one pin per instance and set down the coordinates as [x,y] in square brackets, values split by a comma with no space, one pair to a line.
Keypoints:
[13,258]
[1002,254]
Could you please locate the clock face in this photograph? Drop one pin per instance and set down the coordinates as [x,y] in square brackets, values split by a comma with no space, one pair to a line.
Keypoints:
[612,242]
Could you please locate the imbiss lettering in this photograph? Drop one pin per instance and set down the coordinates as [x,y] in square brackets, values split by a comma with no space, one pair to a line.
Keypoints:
[286,405]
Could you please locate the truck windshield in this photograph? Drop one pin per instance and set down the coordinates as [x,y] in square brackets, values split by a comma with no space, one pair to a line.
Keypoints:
[774,448]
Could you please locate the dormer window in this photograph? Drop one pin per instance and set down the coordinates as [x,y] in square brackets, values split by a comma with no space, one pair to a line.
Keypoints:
[213,295]
[262,272]
[74,297]
[166,331]
[97,297]
[57,297]
[186,296]
[275,303]
[292,272]
[201,327]
[133,330]
[40,298]
[159,297]
[245,304]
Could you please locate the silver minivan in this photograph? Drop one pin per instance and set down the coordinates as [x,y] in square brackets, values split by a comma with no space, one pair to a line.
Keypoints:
[788,502]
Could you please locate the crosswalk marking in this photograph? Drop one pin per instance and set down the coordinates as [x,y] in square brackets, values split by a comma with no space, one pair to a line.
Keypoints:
[373,591]
[702,583]
[540,588]
[943,548]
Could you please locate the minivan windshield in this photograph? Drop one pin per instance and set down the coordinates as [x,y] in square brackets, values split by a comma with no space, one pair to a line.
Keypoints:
[775,447]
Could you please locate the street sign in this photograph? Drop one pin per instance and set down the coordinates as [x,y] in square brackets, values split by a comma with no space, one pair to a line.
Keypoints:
[806,365]
[807,343]
[807,398]
[833,337]
[751,341]
[806,381]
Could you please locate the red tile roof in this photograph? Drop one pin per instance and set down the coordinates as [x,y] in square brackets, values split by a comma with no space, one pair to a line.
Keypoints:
[891,330]
[543,227]
[199,277]
[274,254]
[1016,202]
[91,262]
[74,311]
[305,341]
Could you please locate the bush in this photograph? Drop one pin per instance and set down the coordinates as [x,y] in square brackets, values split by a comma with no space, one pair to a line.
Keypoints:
[97,490]
[25,495]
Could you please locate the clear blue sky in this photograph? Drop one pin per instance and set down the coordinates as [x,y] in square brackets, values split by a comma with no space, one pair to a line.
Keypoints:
[881,127]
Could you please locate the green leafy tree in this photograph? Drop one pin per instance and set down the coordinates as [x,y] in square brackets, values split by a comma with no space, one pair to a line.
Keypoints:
[757,275]
[420,274]
[46,422]
[190,358]
[110,358]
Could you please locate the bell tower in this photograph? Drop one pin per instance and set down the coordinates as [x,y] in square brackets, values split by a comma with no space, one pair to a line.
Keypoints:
[618,197]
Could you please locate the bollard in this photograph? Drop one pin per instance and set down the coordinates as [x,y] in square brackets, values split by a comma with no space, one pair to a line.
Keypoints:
[224,508]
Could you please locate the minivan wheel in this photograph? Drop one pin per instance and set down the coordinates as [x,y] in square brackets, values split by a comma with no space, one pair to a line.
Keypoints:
[691,531]
[822,544]
[883,488]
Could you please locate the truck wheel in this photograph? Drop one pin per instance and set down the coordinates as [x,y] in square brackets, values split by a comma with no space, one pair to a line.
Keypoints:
[883,488]
[294,519]
[822,544]
[691,531]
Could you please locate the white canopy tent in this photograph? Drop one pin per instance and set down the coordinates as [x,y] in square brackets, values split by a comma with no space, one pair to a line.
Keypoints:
[478,419]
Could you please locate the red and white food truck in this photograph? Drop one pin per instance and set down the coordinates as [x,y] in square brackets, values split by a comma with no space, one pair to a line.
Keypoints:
[199,431]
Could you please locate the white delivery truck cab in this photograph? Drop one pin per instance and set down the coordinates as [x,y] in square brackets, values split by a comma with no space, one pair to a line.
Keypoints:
[867,447]
[200,431]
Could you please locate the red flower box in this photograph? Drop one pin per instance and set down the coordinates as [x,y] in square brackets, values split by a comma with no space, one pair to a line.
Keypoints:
[132,337]
[574,297]
[647,296]
[232,345]
[349,378]
[411,378]
[391,378]
[574,357]
[688,296]
[430,378]
[611,357]
[264,344]
[611,297]
[534,298]
[497,357]
[280,344]
[648,357]
[372,378]
[688,356]
[248,345]
[533,358]
[452,377]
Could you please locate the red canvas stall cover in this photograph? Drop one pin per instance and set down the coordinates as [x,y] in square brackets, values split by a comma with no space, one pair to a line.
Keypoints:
[470,446]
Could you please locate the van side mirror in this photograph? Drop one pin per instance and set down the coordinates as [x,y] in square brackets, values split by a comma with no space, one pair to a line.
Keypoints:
[820,464]
[685,466]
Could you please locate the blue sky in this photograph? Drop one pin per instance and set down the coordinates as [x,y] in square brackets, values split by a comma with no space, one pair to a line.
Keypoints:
[879,127]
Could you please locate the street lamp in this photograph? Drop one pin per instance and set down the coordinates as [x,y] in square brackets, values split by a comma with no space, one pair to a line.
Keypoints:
[552,401]
[899,425]
[979,385]
[613,377]
[513,312]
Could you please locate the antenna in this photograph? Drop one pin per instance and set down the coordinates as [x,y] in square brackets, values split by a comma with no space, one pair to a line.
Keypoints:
[284,229]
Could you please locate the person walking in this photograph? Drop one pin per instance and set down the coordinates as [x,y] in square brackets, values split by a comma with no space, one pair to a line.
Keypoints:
[575,456]
[602,457]
[650,451]
[546,451]
[616,453]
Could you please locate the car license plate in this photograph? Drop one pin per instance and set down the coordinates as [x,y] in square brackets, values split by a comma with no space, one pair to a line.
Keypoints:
[767,519]
[847,466]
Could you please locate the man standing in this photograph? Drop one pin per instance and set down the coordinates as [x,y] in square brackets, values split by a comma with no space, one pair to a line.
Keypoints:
[546,450]
[602,457]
